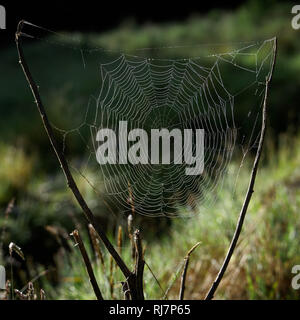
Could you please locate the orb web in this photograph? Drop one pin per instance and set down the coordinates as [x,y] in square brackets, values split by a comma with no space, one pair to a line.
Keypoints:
[155,90]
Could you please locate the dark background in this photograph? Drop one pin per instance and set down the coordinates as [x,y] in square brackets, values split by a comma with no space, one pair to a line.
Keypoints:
[98,16]
[102,15]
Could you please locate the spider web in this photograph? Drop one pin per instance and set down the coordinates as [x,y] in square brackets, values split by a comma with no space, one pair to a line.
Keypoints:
[218,88]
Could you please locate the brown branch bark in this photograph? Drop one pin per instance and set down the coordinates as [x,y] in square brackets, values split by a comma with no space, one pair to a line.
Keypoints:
[250,190]
[61,158]
[87,263]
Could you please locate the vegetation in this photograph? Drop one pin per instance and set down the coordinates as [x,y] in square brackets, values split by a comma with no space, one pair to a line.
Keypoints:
[43,212]
[261,267]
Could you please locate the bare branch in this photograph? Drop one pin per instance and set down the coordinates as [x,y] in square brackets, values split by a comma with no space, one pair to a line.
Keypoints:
[250,190]
[61,158]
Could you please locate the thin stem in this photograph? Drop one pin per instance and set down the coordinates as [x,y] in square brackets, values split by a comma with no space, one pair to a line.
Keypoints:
[11,277]
[183,278]
[155,278]
[139,264]
[184,272]
[87,263]
[250,190]
[61,158]
[96,245]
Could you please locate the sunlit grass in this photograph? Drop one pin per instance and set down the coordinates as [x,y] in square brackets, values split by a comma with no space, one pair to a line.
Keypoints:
[262,263]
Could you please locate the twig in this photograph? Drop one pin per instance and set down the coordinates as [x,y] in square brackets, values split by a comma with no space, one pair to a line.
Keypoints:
[8,211]
[130,235]
[21,295]
[184,272]
[96,245]
[44,272]
[14,248]
[111,277]
[120,242]
[139,264]
[172,281]
[250,190]
[155,278]
[30,292]
[42,295]
[88,265]
[130,220]
[61,158]
[126,291]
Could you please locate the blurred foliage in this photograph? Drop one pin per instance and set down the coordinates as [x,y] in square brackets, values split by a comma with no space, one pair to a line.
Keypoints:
[255,20]
[16,170]
[261,266]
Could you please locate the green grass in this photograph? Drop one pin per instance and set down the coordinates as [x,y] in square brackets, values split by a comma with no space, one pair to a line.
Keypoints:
[261,266]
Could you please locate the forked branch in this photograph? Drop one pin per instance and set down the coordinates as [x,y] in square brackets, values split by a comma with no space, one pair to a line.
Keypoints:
[250,190]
